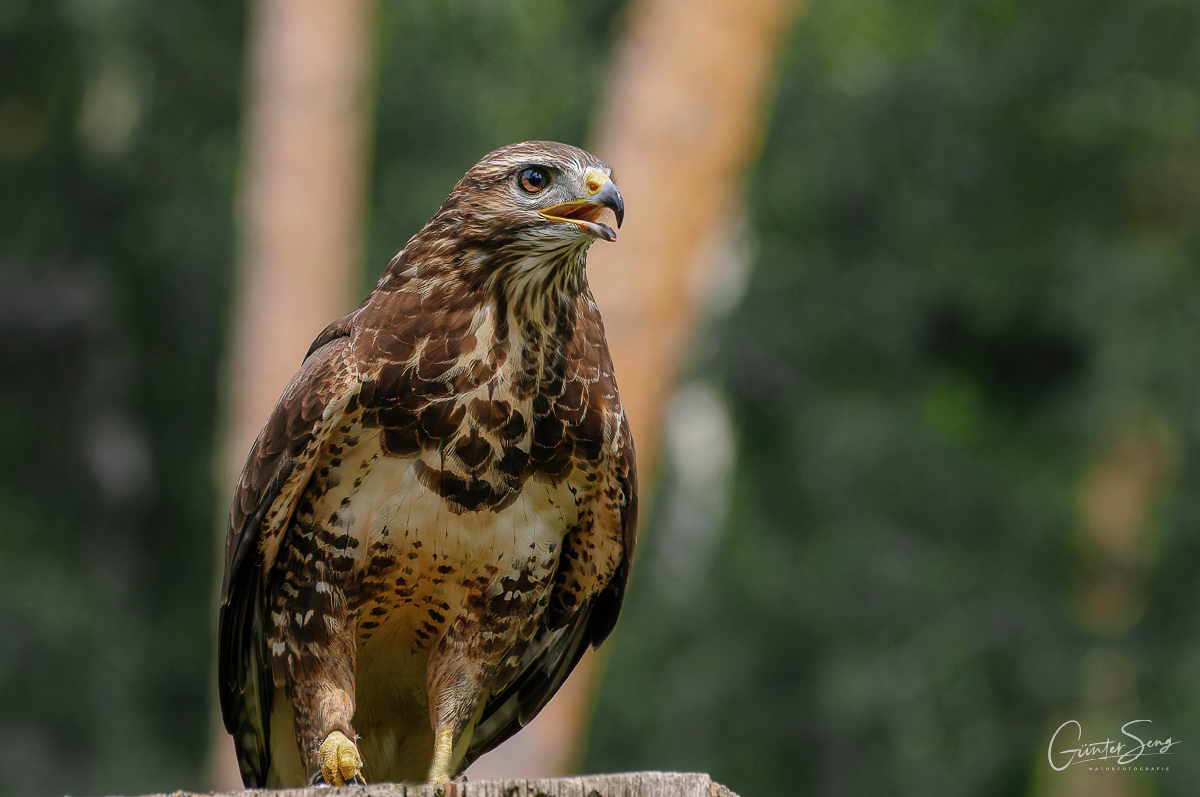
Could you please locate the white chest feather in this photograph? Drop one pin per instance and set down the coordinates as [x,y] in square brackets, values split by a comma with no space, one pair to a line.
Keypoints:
[380,502]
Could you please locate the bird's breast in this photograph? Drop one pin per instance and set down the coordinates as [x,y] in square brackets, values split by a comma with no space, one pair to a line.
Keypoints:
[413,560]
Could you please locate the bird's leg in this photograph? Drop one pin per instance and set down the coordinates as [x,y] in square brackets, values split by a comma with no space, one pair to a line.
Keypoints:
[457,685]
[331,756]
[321,687]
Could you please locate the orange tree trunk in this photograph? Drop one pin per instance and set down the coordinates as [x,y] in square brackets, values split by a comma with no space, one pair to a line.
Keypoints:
[684,116]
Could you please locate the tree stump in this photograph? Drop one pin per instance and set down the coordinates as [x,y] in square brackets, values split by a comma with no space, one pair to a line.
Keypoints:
[628,784]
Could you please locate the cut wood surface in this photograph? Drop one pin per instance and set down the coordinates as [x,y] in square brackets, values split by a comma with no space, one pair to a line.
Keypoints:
[628,784]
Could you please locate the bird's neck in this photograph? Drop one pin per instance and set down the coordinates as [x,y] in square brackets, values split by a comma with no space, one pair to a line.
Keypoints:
[539,284]
[536,313]
[540,324]
[529,298]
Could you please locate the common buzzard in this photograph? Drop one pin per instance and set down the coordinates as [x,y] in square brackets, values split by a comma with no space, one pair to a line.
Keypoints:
[439,515]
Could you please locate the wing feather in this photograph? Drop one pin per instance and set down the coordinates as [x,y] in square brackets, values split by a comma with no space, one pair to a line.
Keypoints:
[276,471]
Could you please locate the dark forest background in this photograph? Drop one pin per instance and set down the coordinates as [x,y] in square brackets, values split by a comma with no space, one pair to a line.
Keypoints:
[930,482]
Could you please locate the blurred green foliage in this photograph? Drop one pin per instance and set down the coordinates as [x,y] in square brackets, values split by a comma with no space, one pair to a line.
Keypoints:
[975,260]
[972,245]
[118,142]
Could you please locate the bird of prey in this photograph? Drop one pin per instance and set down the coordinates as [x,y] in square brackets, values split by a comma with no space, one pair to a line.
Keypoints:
[439,515]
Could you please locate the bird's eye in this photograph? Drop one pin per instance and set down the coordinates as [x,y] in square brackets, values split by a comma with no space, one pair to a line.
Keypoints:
[533,179]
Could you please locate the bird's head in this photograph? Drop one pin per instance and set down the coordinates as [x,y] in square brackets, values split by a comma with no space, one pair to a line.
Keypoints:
[523,217]
[540,195]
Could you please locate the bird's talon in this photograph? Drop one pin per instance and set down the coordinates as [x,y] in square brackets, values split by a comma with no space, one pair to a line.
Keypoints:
[340,761]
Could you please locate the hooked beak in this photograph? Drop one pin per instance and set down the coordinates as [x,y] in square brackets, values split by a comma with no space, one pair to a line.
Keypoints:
[585,213]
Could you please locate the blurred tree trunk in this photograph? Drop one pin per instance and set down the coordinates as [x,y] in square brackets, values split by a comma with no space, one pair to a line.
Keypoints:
[684,117]
[307,112]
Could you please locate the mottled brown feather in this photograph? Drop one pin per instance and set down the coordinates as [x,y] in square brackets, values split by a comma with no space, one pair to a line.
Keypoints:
[274,476]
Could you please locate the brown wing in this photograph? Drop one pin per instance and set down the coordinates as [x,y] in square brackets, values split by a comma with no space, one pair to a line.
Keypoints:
[561,640]
[279,466]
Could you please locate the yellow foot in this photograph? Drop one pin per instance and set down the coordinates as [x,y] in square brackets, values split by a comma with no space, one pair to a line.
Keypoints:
[340,761]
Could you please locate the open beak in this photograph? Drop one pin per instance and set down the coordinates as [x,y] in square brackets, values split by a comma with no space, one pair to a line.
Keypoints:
[586,213]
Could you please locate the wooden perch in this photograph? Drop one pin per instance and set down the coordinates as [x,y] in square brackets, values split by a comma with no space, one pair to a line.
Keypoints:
[629,784]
